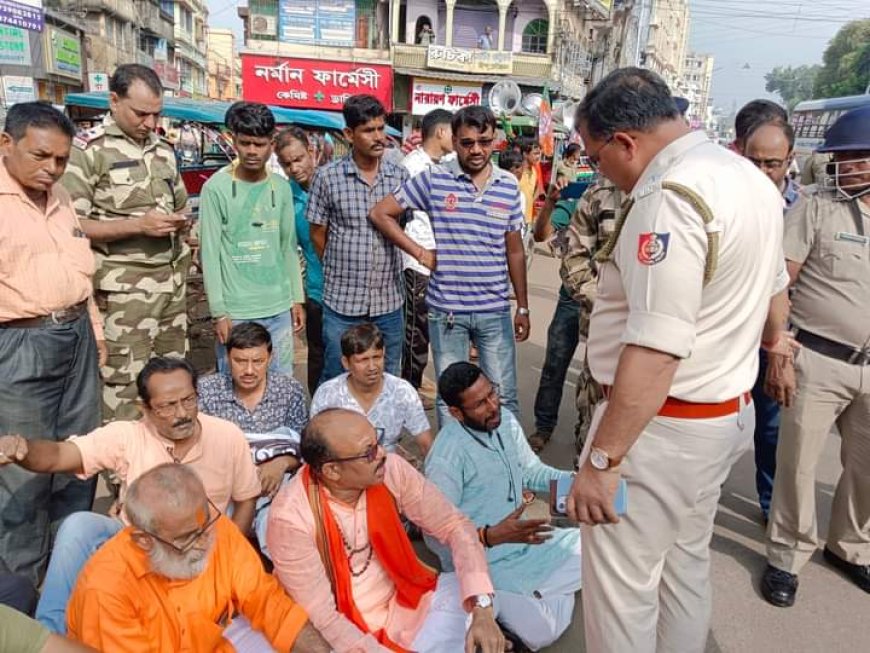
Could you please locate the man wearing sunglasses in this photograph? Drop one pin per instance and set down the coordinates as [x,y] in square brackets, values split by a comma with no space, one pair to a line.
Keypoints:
[827,250]
[477,220]
[181,577]
[481,461]
[171,430]
[341,551]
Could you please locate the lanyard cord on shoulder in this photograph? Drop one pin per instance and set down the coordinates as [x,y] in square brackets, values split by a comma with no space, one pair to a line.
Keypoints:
[502,456]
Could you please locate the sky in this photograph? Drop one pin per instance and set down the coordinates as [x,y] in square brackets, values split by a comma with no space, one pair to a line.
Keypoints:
[748,38]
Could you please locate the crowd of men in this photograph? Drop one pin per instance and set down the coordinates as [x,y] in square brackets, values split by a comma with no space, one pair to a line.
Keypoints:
[223,476]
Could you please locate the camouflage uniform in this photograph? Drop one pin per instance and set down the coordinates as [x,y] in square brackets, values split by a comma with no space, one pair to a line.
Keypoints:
[140,282]
[590,227]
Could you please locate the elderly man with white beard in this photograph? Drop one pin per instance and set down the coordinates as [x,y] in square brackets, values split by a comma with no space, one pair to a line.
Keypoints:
[182,577]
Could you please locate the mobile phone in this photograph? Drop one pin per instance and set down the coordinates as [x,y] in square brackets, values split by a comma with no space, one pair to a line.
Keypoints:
[574,190]
[559,490]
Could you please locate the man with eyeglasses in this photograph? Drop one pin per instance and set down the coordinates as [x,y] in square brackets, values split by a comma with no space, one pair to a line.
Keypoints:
[477,220]
[691,281]
[171,430]
[341,551]
[181,577]
[769,145]
[827,250]
[481,461]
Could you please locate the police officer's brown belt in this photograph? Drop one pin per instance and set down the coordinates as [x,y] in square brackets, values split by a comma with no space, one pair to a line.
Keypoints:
[679,409]
[63,316]
[833,349]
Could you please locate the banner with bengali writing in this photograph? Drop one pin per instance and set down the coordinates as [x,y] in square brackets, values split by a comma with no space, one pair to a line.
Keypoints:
[429,94]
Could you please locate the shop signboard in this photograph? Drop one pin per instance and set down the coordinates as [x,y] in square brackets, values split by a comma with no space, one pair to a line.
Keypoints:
[26,14]
[320,22]
[429,94]
[14,46]
[467,60]
[63,53]
[98,82]
[18,88]
[313,83]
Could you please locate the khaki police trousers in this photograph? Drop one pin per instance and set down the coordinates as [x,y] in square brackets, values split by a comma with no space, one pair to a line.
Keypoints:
[646,580]
[829,392]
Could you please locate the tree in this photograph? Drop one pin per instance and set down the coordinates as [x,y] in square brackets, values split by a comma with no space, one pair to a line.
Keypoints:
[793,84]
[847,62]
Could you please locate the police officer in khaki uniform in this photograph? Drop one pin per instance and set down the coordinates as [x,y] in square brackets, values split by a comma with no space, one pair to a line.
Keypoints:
[127,190]
[685,285]
[827,247]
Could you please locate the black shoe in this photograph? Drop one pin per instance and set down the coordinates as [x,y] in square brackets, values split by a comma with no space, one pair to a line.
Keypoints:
[779,587]
[858,574]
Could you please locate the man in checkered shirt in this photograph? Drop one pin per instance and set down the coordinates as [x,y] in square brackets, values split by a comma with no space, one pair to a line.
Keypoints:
[362,270]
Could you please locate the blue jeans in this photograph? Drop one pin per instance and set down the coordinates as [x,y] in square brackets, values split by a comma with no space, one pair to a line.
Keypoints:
[766,436]
[392,325]
[563,335]
[79,536]
[493,334]
[280,328]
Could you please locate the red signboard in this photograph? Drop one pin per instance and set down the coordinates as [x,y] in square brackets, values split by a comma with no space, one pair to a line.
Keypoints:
[313,83]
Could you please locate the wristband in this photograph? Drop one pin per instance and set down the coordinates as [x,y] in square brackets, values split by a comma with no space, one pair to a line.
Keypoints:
[486,537]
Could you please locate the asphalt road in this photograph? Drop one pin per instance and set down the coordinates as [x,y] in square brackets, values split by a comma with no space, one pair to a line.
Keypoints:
[830,615]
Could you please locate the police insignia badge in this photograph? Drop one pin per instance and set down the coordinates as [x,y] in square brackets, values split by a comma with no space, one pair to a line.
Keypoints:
[652,248]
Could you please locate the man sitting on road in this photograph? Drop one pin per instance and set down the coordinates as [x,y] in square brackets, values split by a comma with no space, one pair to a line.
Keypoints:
[341,551]
[390,403]
[181,577]
[268,406]
[171,430]
[481,461]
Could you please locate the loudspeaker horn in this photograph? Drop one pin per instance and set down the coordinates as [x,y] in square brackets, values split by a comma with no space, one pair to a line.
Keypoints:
[505,98]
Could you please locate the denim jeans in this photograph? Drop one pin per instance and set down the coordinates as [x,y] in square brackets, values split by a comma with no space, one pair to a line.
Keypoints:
[280,328]
[334,324]
[562,338]
[766,436]
[79,536]
[492,333]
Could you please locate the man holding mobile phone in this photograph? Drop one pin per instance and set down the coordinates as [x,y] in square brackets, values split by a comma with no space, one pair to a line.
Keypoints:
[128,193]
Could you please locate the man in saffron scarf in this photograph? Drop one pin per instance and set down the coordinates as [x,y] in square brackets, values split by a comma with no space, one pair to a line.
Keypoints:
[341,552]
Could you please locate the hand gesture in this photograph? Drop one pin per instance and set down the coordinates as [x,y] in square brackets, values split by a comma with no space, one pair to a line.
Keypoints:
[514,529]
[554,193]
[272,472]
[427,259]
[484,634]
[780,382]
[13,449]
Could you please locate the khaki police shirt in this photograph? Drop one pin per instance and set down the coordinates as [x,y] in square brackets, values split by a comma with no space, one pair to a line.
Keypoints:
[830,238]
[651,293]
[110,177]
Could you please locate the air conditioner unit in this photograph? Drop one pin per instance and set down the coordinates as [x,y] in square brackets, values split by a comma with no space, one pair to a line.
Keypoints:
[264,25]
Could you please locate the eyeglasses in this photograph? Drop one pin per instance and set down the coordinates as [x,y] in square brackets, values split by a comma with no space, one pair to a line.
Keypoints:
[493,396]
[594,160]
[768,164]
[369,455]
[193,538]
[166,410]
[469,143]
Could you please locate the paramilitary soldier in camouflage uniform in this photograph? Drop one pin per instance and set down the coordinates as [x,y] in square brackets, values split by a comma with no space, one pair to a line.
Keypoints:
[590,227]
[128,193]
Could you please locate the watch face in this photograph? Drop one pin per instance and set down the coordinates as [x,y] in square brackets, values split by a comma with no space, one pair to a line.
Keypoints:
[483,601]
[599,459]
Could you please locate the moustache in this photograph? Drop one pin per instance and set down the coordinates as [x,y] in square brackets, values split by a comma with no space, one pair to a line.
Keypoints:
[182,422]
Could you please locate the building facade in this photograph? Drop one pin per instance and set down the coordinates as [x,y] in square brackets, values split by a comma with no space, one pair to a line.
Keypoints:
[224,68]
[667,30]
[696,80]
[191,48]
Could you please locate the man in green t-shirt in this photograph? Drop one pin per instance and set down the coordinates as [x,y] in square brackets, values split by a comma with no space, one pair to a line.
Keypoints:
[250,259]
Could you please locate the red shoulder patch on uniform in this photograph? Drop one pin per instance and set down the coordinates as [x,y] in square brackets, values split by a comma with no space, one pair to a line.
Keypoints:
[652,247]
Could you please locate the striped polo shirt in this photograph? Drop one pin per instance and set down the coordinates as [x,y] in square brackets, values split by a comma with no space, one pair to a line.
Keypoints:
[469,227]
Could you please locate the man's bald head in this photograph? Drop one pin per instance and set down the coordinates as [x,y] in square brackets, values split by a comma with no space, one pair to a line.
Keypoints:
[326,433]
[166,489]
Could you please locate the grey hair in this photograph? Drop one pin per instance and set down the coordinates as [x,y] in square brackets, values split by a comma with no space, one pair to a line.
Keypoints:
[170,485]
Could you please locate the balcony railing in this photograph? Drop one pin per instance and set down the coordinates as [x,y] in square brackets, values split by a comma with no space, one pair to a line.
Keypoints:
[123,9]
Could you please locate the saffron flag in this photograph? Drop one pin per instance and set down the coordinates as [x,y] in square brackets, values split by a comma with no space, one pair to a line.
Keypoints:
[545,126]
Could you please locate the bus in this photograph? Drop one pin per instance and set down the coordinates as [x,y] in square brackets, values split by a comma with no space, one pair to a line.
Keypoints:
[812,118]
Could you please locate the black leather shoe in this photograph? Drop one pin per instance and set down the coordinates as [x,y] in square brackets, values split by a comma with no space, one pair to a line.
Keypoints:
[858,574]
[779,587]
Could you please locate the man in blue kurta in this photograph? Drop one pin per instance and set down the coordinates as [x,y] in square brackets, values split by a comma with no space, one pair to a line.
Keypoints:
[481,461]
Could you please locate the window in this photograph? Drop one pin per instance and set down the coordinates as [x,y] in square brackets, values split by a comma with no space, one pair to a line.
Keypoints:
[535,36]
